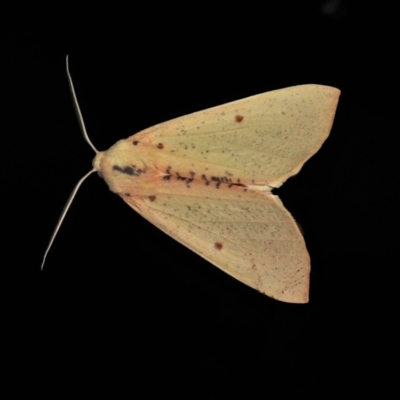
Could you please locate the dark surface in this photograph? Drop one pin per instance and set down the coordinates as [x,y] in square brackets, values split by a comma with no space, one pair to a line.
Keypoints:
[122,306]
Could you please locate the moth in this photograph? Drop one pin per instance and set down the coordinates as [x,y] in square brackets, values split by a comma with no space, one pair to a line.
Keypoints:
[206,180]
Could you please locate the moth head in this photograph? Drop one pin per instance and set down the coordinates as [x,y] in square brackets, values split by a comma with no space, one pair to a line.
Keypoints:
[120,166]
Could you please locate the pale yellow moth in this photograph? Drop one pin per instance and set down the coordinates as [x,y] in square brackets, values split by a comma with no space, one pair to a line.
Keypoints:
[206,178]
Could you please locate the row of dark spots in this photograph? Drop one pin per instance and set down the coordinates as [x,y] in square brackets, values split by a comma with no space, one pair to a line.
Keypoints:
[159,146]
[186,179]
[132,170]
[220,180]
[152,198]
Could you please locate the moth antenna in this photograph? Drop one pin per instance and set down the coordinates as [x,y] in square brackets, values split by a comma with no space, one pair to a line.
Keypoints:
[77,186]
[78,110]
[63,214]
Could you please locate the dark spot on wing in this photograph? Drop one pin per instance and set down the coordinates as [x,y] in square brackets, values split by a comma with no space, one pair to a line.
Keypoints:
[133,171]
[167,177]
[180,178]
[152,198]
[205,179]
[239,118]
[135,142]
[125,170]
[218,245]
[160,146]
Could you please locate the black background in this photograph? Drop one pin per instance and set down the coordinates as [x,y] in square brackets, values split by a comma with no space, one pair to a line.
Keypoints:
[120,305]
